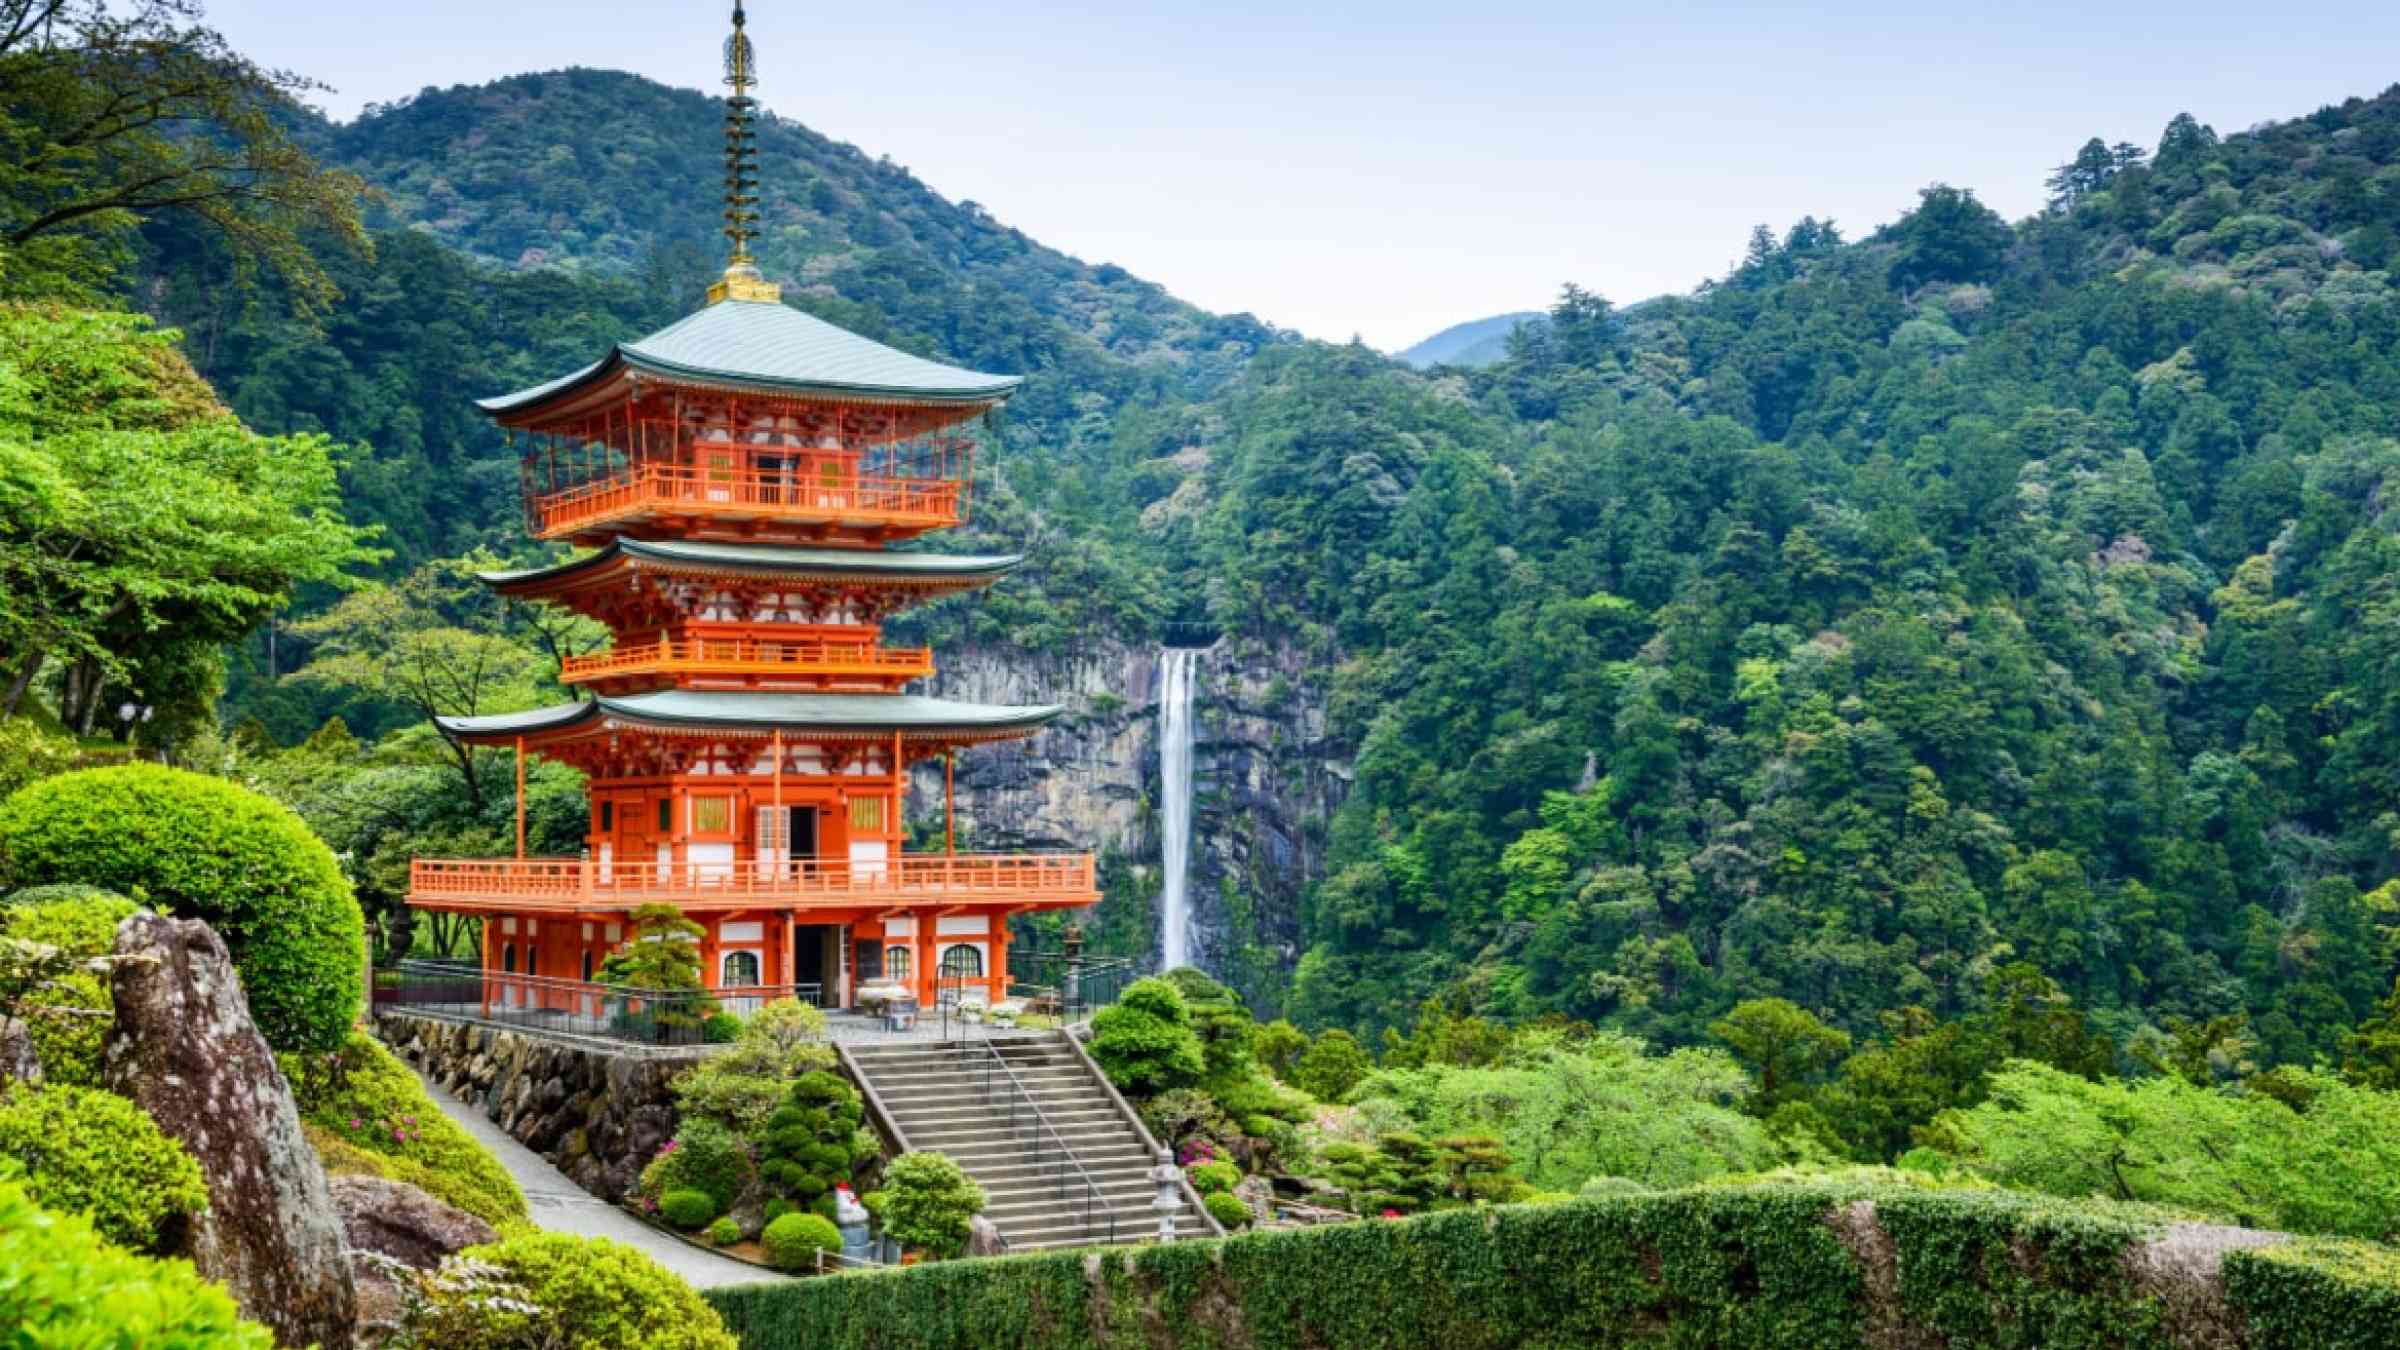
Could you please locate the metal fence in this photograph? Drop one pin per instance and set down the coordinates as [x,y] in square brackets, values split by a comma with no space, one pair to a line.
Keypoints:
[1068,985]
[573,1007]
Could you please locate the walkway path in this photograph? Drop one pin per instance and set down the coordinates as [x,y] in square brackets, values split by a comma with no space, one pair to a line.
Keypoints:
[560,1206]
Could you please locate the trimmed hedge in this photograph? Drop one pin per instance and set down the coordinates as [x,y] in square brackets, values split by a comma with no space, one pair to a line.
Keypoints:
[82,922]
[1797,1265]
[200,847]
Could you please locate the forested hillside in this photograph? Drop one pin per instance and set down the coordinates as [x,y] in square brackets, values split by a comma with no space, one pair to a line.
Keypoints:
[1907,603]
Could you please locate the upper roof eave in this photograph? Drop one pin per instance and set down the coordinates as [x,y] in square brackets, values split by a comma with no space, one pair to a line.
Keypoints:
[770,558]
[738,344]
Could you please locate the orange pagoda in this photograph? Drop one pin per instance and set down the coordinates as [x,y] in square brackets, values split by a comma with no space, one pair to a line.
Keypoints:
[739,479]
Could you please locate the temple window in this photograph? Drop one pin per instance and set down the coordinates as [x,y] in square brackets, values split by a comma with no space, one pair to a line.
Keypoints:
[739,970]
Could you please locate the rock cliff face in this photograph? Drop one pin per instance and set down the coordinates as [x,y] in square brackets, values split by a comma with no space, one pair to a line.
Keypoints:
[1266,777]
[599,1116]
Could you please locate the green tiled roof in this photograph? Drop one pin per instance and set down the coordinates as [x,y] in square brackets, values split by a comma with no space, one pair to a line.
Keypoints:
[767,558]
[771,345]
[799,713]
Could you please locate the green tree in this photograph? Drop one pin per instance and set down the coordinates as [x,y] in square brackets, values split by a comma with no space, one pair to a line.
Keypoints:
[1784,1043]
[113,113]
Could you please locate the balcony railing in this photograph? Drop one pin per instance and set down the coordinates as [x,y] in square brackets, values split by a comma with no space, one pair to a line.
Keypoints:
[680,490]
[751,657]
[534,885]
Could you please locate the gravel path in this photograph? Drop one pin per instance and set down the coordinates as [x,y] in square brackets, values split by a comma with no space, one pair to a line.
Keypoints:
[560,1206]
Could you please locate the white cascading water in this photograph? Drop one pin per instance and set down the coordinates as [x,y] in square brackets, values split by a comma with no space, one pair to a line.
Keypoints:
[1175,665]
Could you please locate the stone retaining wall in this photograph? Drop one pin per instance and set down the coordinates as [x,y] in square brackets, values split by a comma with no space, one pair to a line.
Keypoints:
[598,1114]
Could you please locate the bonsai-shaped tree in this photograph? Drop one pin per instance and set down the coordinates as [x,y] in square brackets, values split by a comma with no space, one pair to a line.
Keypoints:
[813,1141]
[1146,1043]
[662,954]
[1476,1166]
[929,1204]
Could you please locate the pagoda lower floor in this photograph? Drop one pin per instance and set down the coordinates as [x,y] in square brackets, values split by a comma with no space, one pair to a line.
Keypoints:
[927,927]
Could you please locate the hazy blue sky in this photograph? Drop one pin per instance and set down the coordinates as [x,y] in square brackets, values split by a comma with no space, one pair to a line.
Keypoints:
[1387,170]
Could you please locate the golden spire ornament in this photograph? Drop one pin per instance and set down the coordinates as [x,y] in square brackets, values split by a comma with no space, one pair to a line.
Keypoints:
[742,279]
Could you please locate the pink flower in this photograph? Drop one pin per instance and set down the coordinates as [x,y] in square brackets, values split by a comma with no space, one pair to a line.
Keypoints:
[1391,1214]
[356,1123]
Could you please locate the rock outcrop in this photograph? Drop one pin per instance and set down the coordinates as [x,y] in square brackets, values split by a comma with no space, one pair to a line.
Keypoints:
[183,1048]
[600,1116]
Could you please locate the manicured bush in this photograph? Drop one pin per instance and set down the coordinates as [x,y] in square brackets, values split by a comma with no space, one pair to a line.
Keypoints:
[1783,1266]
[93,1153]
[1215,1175]
[777,1208]
[81,922]
[720,1029]
[200,847]
[365,1097]
[689,1210]
[63,1285]
[827,1206]
[1145,1042]
[552,1289]
[703,1156]
[793,1241]
[725,1232]
[928,1203]
[1227,1209]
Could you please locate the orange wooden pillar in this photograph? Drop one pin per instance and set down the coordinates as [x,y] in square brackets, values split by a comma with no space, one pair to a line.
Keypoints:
[487,922]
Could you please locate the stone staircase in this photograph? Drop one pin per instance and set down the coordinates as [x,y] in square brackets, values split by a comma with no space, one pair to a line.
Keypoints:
[935,1093]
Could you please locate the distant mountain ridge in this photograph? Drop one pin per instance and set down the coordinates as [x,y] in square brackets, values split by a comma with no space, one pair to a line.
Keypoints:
[1477,342]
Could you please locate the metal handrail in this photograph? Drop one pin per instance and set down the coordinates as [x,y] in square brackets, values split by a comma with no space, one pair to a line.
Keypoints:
[1150,1145]
[1092,1199]
[874,1100]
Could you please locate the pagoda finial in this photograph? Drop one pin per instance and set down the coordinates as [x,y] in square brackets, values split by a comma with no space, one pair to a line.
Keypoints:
[742,279]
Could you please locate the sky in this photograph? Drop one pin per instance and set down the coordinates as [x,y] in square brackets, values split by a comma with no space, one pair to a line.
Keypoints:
[1384,171]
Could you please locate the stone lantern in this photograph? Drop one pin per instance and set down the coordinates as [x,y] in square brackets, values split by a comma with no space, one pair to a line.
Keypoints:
[1169,1180]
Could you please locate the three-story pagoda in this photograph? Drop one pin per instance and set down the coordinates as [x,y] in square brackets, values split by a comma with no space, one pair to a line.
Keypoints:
[739,478]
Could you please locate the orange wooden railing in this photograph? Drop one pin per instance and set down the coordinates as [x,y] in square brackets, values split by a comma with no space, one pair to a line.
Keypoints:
[925,503]
[750,656]
[534,884]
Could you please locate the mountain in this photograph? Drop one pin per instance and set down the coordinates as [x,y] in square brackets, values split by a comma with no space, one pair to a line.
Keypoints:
[1884,613]
[1477,342]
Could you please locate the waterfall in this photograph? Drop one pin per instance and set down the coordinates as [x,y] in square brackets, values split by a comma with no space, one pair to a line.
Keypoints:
[1175,666]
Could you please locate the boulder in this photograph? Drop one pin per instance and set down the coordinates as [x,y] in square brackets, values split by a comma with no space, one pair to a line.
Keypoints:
[403,1222]
[183,1048]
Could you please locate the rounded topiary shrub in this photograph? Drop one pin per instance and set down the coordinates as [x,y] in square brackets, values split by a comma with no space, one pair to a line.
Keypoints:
[200,847]
[689,1210]
[793,1241]
[1145,1043]
[1226,1208]
[725,1232]
[83,1151]
[558,1289]
[64,1286]
[1214,1176]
